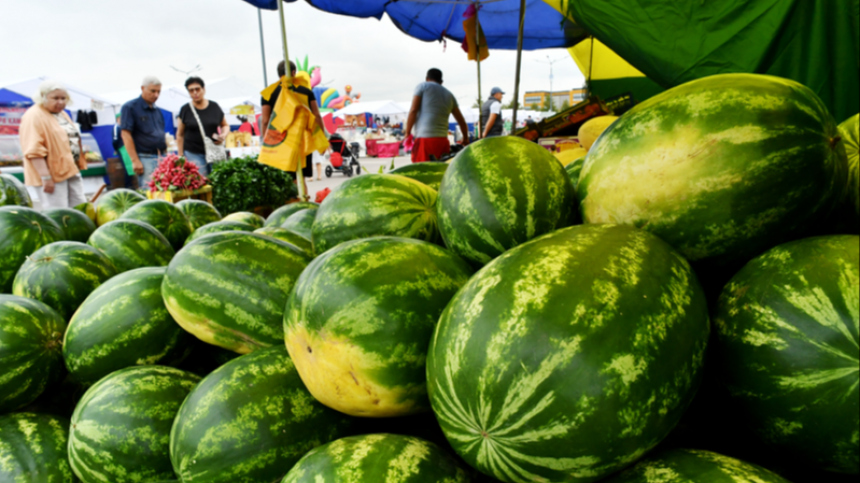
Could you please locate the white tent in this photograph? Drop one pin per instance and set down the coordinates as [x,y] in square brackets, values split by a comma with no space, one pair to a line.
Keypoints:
[470,115]
[376,108]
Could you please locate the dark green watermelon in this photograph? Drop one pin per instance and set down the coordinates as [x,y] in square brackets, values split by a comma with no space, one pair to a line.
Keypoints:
[76,226]
[31,350]
[33,449]
[199,212]
[62,275]
[281,214]
[252,219]
[250,420]
[132,244]
[164,217]
[291,237]
[114,203]
[429,173]
[787,327]
[22,231]
[694,466]
[13,192]
[301,222]
[218,227]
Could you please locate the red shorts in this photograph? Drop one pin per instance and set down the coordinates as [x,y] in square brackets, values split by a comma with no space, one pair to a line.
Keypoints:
[426,147]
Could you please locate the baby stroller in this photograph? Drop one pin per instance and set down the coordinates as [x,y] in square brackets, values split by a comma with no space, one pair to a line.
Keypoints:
[342,158]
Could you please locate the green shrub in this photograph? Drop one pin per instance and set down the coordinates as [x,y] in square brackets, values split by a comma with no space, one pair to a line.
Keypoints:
[243,184]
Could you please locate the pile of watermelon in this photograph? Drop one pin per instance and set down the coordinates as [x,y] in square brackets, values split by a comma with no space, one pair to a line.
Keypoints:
[680,304]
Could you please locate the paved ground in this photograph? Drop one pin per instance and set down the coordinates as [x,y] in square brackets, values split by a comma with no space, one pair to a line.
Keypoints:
[368,165]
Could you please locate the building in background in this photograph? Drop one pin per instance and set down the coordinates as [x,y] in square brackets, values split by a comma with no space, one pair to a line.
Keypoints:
[540,99]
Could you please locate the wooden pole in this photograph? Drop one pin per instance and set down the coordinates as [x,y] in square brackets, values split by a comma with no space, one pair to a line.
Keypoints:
[478,58]
[300,178]
[519,64]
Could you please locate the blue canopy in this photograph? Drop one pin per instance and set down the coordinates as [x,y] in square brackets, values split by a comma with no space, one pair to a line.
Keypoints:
[431,20]
[13,99]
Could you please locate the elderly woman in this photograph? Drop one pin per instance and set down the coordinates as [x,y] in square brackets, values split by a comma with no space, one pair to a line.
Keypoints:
[189,139]
[52,149]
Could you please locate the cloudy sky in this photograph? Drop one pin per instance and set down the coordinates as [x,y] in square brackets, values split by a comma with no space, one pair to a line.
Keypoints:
[105,46]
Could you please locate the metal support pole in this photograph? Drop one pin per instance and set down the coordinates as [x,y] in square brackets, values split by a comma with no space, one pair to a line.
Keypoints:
[300,178]
[519,64]
[478,58]
[262,47]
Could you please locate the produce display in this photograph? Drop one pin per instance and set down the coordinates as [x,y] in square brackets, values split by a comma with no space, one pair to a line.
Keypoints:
[131,244]
[360,318]
[787,326]
[62,275]
[681,304]
[500,192]
[13,192]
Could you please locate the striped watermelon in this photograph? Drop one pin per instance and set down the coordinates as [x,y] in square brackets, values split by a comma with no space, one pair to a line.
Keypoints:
[429,173]
[230,289]
[24,230]
[569,357]
[389,458]
[787,328]
[500,192]
[164,217]
[131,244]
[62,275]
[250,420]
[89,209]
[687,466]
[13,192]
[111,205]
[291,237]
[218,227]
[573,169]
[360,318]
[850,132]
[205,358]
[281,214]
[376,205]
[120,430]
[123,323]
[76,226]
[721,168]
[199,212]
[31,350]
[33,449]
[252,219]
[301,222]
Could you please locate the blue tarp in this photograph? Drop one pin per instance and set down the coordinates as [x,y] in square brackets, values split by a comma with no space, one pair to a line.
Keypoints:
[434,20]
[13,99]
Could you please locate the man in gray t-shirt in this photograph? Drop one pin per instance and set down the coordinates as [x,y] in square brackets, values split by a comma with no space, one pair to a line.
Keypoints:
[431,106]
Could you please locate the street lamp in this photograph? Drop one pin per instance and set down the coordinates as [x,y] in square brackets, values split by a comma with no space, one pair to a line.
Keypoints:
[550,62]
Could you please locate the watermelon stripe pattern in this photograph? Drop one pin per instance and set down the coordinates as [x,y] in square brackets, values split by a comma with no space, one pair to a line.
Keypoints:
[569,357]
[250,420]
[301,222]
[24,231]
[388,458]
[13,192]
[281,214]
[687,465]
[123,323]
[33,449]
[131,244]
[850,132]
[429,173]
[111,205]
[31,357]
[165,217]
[120,430]
[252,219]
[722,168]
[76,226]
[199,212]
[293,238]
[62,275]
[787,327]
[218,227]
[230,289]
[376,205]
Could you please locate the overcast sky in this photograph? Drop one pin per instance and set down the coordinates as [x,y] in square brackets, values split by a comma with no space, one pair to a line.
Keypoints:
[105,46]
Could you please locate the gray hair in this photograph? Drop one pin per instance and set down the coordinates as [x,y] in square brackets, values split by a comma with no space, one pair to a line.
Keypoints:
[150,80]
[48,87]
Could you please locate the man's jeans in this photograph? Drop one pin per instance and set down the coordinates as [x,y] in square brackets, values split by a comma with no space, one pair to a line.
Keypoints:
[150,162]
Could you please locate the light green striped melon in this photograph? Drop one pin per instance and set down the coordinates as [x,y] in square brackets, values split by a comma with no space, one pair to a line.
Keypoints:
[291,237]
[252,219]
[131,244]
[301,222]
[281,214]
[850,131]
[22,231]
[33,449]
[218,227]
[199,212]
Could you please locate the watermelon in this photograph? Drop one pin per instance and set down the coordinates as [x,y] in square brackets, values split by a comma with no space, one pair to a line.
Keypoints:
[164,217]
[33,449]
[787,327]
[281,214]
[500,192]
[205,358]
[391,458]
[13,192]
[360,318]
[62,275]
[24,230]
[687,465]
[569,357]
[591,129]
[76,226]
[31,350]
[120,429]
[376,205]
[218,227]
[252,219]
[850,132]
[573,169]
[291,237]
[131,244]
[301,222]
[199,212]
[114,203]
[429,173]
[230,289]
[722,168]
[123,323]
[88,209]
[58,399]
[250,420]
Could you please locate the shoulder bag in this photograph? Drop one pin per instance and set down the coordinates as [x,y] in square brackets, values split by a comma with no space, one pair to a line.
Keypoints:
[214,152]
